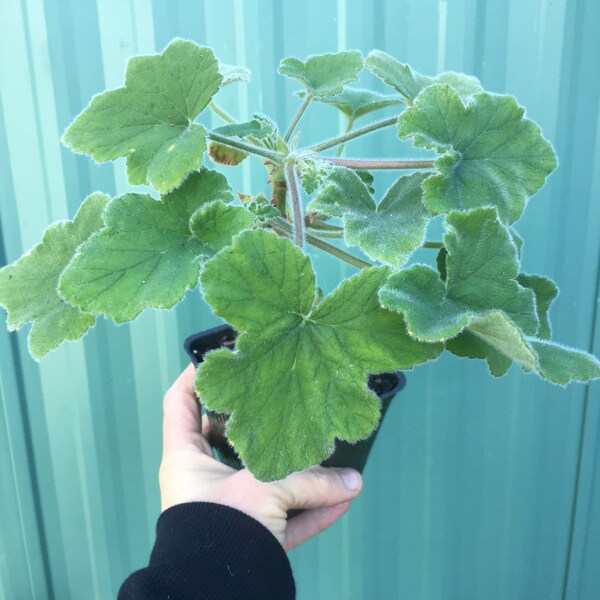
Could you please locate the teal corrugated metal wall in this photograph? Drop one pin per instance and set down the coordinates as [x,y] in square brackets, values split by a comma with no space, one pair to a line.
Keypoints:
[476,488]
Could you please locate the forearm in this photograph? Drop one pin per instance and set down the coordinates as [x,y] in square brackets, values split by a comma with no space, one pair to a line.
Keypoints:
[205,551]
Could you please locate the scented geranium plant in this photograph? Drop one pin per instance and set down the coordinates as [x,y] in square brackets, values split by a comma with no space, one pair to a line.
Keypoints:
[296,380]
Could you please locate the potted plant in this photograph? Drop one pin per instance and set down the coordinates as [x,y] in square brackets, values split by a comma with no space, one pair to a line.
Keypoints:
[297,378]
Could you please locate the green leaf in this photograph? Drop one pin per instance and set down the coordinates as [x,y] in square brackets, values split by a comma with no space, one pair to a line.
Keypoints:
[465,85]
[262,211]
[325,74]
[389,232]
[312,172]
[545,291]
[410,83]
[561,364]
[215,224]
[233,73]
[297,379]
[501,333]
[355,102]
[29,287]
[254,128]
[481,269]
[440,261]
[517,239]
[556,363]
[147,254]
[367,178]
[227,155]
[150,120]
[467,344]
[496,156]
[266,122]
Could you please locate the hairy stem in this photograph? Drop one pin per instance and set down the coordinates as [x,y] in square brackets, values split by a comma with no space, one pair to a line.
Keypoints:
[432,245]
[288,133]
[353,134]
[351,260]
[221,113]
[274,156]
[283,226]
[317,224]
[292,184]
[324,233]
[278,195]
[348,130]
[368,165]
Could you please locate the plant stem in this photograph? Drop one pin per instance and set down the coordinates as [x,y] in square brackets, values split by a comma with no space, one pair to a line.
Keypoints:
[353,134]
[432,245]
[368,165]
[316,224]
[348,130]
[300,112]
[283,226]
[278,195]
[325,234]
[221,113]
[351,260]
[292,184]
[274,156]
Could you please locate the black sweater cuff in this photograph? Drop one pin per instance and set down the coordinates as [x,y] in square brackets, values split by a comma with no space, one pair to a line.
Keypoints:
[205,551]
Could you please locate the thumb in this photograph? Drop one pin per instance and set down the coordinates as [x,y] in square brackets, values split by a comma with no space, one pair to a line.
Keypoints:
[182,420]
[320,486]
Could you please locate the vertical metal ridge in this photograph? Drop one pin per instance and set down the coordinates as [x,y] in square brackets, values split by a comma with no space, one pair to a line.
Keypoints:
[36,111]
[240,53]
[479,39]
[582,441]
[279,54]
[442,27]
[575,16]
[31,464]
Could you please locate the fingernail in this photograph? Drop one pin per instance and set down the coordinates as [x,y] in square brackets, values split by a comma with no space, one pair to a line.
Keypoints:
[351,479]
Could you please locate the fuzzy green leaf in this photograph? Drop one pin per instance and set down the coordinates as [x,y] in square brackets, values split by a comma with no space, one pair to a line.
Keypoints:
[355,102]
[150,119]
[561,365]
[215,224]
[481,268]
[500,332]
[367,178]
[325,74]
[147,254]
[297,379]
[467,344]
[556,363]
[517,239]
[29,287]
[254,127]
[440,261]
[409,83]
[496,156]
[262,211]
[389,232]
[545,291]
[233,73]
[312,172]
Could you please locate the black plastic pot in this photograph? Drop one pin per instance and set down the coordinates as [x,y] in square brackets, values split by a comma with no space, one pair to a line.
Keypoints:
[385,385]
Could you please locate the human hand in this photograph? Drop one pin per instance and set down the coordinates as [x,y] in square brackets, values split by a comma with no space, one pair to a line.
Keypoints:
[190,473]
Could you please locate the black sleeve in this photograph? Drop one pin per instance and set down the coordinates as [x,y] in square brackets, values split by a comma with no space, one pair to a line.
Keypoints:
[207,551]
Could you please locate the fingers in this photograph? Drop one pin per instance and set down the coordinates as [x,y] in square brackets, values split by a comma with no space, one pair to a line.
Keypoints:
[319,487]
[182,420]
[310,523]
